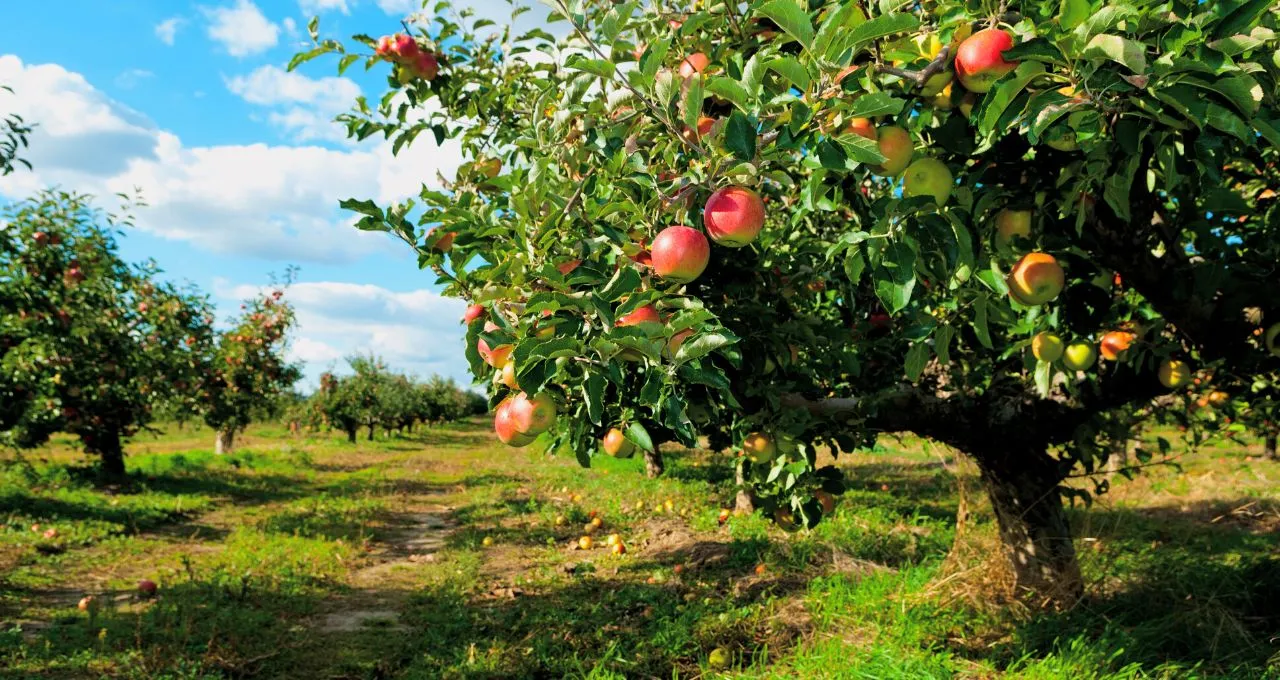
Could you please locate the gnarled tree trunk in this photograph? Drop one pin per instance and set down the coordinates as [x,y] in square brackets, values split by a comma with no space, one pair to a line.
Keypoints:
[653,464]
[351,435]
[743,503]
[1034,529]
[224,441]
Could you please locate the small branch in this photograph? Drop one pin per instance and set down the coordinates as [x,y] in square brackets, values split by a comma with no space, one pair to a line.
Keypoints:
[922,76]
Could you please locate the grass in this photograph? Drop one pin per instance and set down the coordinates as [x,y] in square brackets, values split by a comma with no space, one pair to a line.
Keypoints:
[311,558]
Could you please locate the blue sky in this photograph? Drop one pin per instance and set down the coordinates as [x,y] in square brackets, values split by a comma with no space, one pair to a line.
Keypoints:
[239,161]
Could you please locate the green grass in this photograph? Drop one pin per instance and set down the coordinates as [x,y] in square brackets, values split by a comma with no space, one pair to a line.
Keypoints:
[265,558]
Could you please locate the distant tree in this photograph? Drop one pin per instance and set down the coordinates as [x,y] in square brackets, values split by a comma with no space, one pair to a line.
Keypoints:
[89,344]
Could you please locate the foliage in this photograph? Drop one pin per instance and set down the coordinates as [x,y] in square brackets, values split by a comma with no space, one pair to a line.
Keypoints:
[89,344]
[14,132]
[373,396]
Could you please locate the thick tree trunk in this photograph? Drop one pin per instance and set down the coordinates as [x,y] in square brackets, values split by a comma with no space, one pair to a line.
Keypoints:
[743,503]
[224,441]
[653,464]
[107,445]
[371,428]
[1119,457]
[1033,526]
[351,435]
[1269,445]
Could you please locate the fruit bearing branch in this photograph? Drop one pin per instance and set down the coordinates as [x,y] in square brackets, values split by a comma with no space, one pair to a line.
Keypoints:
[923,75]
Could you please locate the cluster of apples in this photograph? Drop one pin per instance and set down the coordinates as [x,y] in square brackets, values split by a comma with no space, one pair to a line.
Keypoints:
[1049,347]
[411,61]
[520,418]
[733,217]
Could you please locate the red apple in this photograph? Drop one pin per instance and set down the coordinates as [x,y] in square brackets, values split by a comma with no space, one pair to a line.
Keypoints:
[980,61]
[676,342]
[1036,279]
[40,238]
[496,357]
[404,47]
[680,254]
[1114,344]
[896,146]
[532,415]
[863,127]
[385,47]
[647,313]
[473,312]
[505,426]
[445,244]
[694,63]
[733,216]
[426,65]
[147,587]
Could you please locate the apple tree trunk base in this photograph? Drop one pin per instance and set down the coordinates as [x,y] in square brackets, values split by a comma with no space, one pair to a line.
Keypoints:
[224,442]
[653,466]
[743,503]
[1269,445]
[107,447]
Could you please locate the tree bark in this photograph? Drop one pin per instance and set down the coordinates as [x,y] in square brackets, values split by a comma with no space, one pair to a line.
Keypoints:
[1269,446]
[351,435]
[1034,529]
[743,502]
[1119,457]
[107,446]
[371,428]
[224,441]
[653,464]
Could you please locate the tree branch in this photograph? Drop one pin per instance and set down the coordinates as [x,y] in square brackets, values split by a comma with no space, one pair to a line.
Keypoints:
[922,76]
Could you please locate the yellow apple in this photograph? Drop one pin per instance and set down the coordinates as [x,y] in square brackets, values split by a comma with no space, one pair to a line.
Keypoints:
[1047,346]
[1079,356]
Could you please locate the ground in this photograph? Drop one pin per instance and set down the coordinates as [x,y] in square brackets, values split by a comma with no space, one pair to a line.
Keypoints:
[311,558]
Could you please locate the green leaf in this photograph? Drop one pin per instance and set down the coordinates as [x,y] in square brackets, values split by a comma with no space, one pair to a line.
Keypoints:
[731,91]
[1241,90]
[1072,12]
[980,322]
[665,88]
[639,436]
[593,393]
[1043,378]
[625,280]
[740,136]
[794,20]
[942,343]
[599,67]
[1037,49]
[1241,18]
[792,70]
[876,104]
[835,23]
[854,264]
[879,27]
[1128,53]
[895,276]
[753,74]
[692,103]
[861,149]
[702,345]
[917,359]
[1003,93]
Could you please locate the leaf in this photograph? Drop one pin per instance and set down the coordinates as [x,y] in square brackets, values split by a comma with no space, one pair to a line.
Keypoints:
[792,70]
[731,91]
[1043,378]
[639,436]
[980,322]
[917,359]
[625,280]
[703,345]
[593,391]
[1241,18]
[1003,93]
[876,104]
[691,105]
[753,74]
[792,19]
[885,24]
[942,343]
[832,26]
[895,277]
[861,149]
[740,136]
[854,263]
[1072,12]
[1037,49]
[664,88]
[1128,53]
[1241,90]
[598,67]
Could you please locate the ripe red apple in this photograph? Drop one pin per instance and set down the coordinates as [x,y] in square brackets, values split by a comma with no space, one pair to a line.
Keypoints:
[1114,344]
[928,177]
[980,61]
[1011,224]
[505,427]
[896,146]
[473,312]
[694,63]
[1036,279]
[496,357]
[617,445]
[426,65]
[645,314]
[863,127]
[403,47]
[385,47]
[680,254]
[147,587]
[733,216]
[533,415]
[676,342]
[445,244]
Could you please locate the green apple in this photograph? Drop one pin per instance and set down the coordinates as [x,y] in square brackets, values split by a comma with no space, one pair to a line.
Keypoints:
[928,177]
[1079,356]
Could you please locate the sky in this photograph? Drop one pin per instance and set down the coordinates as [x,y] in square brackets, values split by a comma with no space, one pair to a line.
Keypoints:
[239,161]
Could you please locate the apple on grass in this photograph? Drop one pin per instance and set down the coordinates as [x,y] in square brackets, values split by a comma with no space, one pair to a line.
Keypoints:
[928,177]
[1047,346]
[1079,356]
[896,146]
[147,587]
[680,254]
[1036,279]
[733,216]
[980,61]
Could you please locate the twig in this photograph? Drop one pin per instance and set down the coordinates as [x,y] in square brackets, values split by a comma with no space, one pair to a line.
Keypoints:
[923,75]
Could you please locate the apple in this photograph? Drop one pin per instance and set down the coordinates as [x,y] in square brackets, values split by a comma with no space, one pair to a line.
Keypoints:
[980,61]
[445,243]
[618,548]
[966,104]
[385,47]
[760,447]
[504,425]
[1047,346]
[596,520]
[1217,398]
[694,63]
[88,603]
[1174,373]
[680,254]
[532,415]
[488,541]
[40,238]
[863,127]
[1036,279]
[404,47]
[496,357]
[560,520]
[645,314]
[826,500]
[1113,344]
[508,374]
[761,569]
[723,516]
[426,65]
[488,167]
[733,216]
[565,268]
[613,539]
[585,543]
[1271,339]
[1011,224]
[147,587]
[617,445]
[896,146]
[928,177]
[473,312]
[1078,356]
[675,343]
[719,658]
[942,100]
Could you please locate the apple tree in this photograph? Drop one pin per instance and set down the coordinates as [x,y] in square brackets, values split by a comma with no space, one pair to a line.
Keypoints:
[786,225]
[247,371]
[14,132]
[89,344]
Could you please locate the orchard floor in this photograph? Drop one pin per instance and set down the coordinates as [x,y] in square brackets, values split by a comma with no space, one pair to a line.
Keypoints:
[313,558]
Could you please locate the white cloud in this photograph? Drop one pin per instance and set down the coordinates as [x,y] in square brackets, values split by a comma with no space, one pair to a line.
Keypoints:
[130,78]
[290,26]
[242,29]
[416,332]
[399,7]
[167,30]
[304,107]
[256,200]
[310,7]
